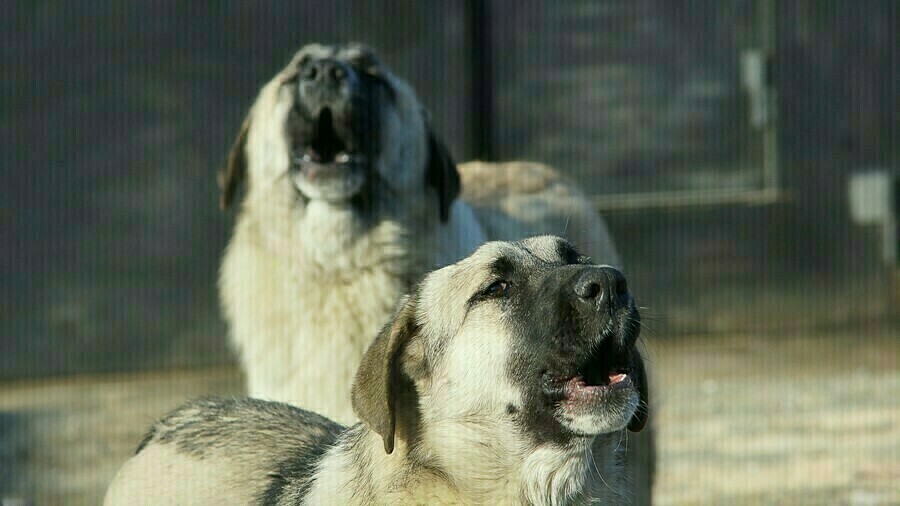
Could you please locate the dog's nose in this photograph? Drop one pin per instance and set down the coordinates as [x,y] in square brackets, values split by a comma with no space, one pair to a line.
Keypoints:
[327,72]
[602,285]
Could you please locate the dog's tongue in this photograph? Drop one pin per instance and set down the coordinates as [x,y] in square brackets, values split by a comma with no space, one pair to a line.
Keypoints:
[578,387]
[616,377]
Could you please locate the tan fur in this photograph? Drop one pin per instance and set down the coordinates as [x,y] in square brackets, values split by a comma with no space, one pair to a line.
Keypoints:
[519,199]
[585,474]
[452,438]
[304,287]
[139,481]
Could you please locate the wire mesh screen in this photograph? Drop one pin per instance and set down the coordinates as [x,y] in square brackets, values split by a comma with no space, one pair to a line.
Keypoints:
[770,321]
[119,117]
[628,97]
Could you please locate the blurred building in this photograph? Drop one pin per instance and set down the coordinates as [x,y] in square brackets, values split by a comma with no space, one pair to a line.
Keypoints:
[719,137]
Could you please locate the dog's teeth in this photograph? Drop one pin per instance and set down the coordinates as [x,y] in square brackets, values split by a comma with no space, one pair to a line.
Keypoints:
[616,378]
[342,158]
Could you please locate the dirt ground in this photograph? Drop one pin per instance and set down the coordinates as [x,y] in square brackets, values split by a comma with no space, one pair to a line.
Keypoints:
[812,418]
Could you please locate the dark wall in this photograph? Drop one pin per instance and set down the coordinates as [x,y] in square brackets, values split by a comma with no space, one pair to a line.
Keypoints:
[116,115]
[631,96]
[115,119]
[799,262]
[839,83]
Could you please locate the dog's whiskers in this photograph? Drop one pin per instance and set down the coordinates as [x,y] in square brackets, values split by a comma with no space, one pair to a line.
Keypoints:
[566,227]
[622,435]
[593,462]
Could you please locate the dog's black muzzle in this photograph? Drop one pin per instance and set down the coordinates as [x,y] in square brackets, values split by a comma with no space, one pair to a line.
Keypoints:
[327,83]
[597,302]
[584,350]
[599,323]
[601,294]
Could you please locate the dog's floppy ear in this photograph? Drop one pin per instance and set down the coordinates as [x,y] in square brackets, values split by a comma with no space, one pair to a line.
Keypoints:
[236,169]
[642,413]
[441,174]
[377,384]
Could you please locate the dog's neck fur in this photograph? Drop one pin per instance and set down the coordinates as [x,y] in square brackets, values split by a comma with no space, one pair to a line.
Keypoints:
[336,240]
[358,471]
[337,264]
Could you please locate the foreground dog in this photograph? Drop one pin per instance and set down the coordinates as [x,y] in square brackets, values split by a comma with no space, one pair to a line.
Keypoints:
[508,377]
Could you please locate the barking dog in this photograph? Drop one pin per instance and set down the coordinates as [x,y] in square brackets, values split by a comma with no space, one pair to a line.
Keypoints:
[350,197]
[508,377]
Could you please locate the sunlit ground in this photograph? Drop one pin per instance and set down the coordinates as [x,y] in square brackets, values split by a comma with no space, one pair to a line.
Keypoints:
[783,419]
[811,418]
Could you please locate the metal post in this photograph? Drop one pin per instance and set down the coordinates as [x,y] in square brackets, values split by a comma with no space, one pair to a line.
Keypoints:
[481,79]
[768,40]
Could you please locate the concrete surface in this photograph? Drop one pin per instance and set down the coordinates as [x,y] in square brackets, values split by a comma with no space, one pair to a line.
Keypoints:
[812,418]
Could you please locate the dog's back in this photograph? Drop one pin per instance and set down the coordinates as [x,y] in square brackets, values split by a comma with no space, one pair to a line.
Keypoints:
[520,199]
[257,446]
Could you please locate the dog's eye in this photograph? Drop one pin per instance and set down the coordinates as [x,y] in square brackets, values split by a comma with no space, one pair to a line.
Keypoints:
[497,288]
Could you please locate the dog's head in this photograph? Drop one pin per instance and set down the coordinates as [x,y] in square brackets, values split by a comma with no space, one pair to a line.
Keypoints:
[529,334]
[336,125]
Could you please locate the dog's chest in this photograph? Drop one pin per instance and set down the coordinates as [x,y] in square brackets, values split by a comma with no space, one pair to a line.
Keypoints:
[301,330]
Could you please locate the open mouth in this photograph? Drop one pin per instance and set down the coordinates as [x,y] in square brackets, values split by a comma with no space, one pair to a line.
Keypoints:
[606,370]
[596,383]
[327,166]
[326,148]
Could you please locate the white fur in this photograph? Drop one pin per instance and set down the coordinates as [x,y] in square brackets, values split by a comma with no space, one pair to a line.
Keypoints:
[482,456]
[159,474]
[456,444]
[542,476]
[284,311]
[607,421]
[306,287]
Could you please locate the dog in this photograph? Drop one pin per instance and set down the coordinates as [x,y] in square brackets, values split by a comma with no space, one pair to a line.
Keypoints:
[350,197]
[506,378]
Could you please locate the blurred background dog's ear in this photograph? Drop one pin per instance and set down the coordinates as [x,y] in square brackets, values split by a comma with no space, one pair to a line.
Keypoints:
[441,174]
[377,384]
[642,412]
[235,171]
